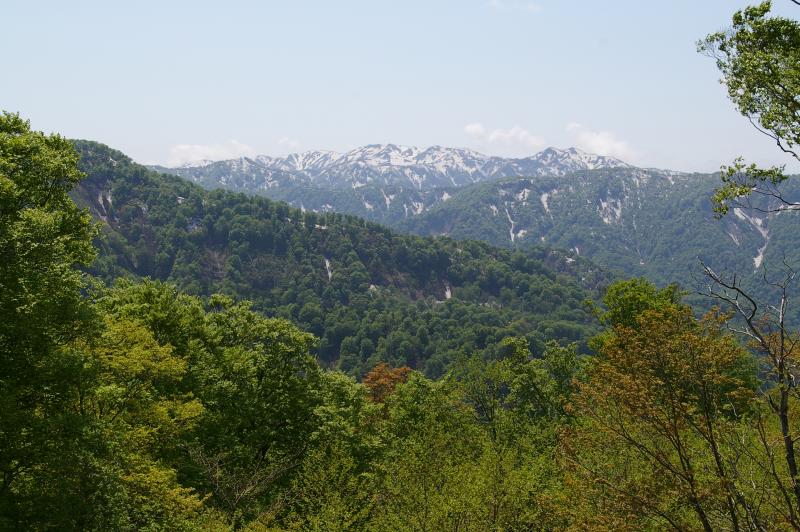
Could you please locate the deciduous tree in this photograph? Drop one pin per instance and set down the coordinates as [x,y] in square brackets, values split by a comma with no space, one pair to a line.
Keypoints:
[759,58]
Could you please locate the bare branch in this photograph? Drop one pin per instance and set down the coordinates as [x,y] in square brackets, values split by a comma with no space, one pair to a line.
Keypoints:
[774,137]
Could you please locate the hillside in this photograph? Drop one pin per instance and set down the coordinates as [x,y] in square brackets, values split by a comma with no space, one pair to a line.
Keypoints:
[638,222]
[368,293]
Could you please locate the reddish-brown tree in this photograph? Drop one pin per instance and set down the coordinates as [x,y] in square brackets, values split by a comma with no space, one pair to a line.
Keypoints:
[383,379]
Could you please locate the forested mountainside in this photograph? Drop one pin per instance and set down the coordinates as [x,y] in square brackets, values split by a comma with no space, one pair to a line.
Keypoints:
[368,293]
[639,222]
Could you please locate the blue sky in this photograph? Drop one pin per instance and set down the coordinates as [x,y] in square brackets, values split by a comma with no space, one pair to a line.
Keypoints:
[168,82]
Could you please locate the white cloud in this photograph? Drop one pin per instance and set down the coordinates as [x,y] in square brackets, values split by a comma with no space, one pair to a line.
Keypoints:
[286,142]
[192,153]
[600,142]
[515,5]
[515,137]
[474,130]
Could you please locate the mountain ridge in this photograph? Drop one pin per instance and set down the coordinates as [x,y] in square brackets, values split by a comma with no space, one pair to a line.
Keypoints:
[388,165]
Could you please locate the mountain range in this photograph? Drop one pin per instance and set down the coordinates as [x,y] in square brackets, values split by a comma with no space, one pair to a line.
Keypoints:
[385,165]
[638,222]
[388,184]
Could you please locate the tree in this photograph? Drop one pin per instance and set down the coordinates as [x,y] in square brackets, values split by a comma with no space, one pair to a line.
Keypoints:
[759,57]
[768,333]
[428,478]
[383,379]
[626,300]
[335,487]
[128,413]
[261,387]
[44,238]
[661,406]
[90,406]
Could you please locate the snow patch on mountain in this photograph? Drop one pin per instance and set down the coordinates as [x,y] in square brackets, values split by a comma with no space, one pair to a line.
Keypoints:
[513,223]
[387,198]
[759,225]
[610,210]
[544,199]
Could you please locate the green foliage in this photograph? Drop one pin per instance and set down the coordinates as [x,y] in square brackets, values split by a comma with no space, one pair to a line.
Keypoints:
[420,302]
[260,390]
[633,222]
[43,237]
[626,300]
[759,58]
[138,406]
[332,492]
[740,180]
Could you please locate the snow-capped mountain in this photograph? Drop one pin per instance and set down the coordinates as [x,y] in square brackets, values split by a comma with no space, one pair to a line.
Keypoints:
[197,164]
[656,223]
[386,164]
[552,162]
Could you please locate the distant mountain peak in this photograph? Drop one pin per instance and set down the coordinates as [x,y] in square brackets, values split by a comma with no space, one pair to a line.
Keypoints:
[197,164]
[578,159]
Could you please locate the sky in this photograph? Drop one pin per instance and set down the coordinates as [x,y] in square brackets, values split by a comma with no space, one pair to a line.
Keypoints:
[179,81]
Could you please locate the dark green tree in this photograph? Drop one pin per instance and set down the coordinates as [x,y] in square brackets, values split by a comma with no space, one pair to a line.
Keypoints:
[44,238]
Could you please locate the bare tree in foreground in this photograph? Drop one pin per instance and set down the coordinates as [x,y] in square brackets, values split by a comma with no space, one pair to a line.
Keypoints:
[765,327]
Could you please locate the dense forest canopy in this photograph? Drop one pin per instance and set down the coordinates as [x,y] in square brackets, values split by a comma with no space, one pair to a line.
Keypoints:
[369,294]
[177,359]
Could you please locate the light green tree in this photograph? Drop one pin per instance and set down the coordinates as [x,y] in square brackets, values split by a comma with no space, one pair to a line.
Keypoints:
[759,58]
